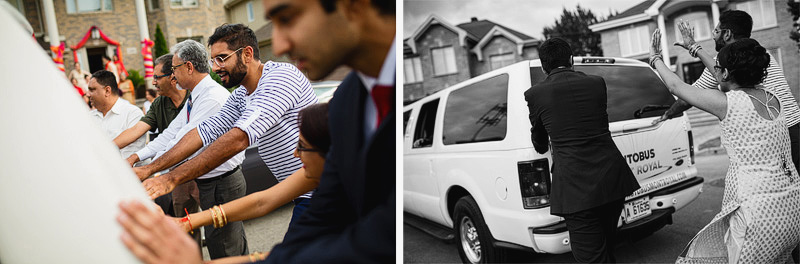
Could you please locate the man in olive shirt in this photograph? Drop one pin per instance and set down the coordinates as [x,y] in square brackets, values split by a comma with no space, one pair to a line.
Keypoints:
[161,113]
[164,108]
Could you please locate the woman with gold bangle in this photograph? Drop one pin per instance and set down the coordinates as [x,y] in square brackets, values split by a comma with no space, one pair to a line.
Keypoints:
[312,147]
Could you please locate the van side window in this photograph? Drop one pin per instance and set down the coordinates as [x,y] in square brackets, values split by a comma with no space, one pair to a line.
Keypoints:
[406,116]
[423,136]
[477,113]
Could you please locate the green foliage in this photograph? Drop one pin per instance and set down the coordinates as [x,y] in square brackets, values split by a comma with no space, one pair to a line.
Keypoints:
[573,26]
[794,9]
[138,82]
[160,44]
[219,81]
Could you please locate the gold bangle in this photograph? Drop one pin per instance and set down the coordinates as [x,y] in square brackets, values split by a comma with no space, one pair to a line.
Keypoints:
[214,217]
[224,217]
[262,256]
[252,257]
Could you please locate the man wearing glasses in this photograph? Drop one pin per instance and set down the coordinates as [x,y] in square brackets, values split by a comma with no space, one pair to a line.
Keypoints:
[218,184]
[163,110]
[263,111]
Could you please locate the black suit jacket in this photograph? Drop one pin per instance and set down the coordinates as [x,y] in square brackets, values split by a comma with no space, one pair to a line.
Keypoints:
[352,214]
[588,169]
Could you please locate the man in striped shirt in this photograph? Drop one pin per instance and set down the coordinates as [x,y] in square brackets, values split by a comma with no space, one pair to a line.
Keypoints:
[263,111]
[734,25]
[221,182]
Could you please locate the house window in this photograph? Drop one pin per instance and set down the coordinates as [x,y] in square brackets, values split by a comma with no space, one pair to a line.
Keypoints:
[183,3]
[762,11]
[699,21]
[84,6]
[154,4]
[412,70]
[501,60]
[250,15]
[444,61]
[634,41]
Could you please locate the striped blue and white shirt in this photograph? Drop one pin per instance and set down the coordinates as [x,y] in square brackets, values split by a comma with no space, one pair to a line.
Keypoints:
[269,116]
[775,83]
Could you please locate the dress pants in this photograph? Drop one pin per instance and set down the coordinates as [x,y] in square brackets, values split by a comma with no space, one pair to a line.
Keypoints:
[592,232]
[229,240]
[187,196]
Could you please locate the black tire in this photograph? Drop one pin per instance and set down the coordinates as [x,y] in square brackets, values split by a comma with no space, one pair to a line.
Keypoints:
[467,214]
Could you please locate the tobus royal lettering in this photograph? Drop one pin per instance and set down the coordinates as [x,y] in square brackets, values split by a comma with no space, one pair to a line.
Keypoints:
[641,156]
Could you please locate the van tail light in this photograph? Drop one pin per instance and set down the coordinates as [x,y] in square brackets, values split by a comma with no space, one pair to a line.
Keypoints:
[691,146]
[534,183]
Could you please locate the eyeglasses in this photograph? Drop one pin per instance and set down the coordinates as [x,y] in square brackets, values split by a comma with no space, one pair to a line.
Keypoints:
[221,60]
[176,66]
[156,77]
[720,68]
[300,148]
[718,31]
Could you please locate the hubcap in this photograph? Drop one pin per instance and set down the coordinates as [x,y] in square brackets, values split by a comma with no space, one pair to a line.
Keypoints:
[469,240]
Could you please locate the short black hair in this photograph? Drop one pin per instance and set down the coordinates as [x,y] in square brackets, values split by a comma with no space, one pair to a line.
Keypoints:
[107,78]
[314,126]
[166,63]
[738,22]
[385,7]
[152,92]
[236,36]
[105,56]
[554,53]
[746,61]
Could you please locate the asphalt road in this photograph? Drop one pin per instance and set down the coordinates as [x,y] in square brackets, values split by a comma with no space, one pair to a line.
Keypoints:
[663,246]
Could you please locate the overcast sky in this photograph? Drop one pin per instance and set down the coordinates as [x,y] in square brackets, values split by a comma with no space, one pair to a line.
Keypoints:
[526,16]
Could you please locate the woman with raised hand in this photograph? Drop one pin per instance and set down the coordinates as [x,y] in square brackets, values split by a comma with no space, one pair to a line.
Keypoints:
[759,221]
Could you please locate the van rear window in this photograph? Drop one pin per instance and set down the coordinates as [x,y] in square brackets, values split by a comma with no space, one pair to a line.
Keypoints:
[629,89]
[477,113]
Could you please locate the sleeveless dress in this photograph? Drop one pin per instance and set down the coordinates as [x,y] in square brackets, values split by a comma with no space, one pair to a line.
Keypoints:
[761,182]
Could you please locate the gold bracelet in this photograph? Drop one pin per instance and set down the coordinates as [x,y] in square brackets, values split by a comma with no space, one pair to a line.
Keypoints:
[214,217]
[252,257]
[224,217]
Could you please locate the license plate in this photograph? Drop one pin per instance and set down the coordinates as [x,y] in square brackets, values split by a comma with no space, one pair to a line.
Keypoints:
[637,209]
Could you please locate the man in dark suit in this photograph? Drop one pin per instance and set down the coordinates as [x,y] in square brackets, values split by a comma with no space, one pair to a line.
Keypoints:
[352,214]
[590,176]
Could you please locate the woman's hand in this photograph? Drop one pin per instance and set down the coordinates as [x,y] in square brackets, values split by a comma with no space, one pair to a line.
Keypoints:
[184,225]
[655,43]
[687,33]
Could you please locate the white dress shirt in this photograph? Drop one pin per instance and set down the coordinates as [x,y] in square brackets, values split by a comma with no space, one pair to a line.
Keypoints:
[207,98]
[123,115]
[385,77]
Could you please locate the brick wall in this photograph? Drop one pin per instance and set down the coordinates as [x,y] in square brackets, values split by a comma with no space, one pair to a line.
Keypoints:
[497,46]
[438,36]
[119,25]
[184,22]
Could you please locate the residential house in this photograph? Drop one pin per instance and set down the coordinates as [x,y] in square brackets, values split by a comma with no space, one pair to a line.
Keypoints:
[439,54]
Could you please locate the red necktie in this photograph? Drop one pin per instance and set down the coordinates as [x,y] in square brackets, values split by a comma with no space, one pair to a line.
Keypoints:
[382,96]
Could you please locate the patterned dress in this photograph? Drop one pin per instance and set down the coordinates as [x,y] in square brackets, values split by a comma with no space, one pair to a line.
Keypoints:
[762,181]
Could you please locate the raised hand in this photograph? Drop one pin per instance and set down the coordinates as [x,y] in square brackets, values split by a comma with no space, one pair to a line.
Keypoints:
[655,48]
[687,33]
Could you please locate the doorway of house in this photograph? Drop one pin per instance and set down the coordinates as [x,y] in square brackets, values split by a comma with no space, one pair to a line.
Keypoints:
[95,57]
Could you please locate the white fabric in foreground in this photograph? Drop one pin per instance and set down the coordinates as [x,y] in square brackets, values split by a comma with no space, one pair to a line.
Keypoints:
[60,177]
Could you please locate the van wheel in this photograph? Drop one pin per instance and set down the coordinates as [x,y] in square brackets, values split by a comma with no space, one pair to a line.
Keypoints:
[474,239]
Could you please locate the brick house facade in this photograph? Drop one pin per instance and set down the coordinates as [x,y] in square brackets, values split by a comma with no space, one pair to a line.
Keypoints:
[440,54]
[179,20]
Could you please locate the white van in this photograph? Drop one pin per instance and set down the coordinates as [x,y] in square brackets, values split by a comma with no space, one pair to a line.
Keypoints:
[470,167]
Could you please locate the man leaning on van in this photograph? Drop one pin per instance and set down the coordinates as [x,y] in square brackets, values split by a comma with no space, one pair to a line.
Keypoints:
[590,176]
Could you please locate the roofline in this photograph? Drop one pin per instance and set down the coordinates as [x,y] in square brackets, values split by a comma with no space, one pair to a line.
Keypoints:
[648,13]
[495,31]
[462,34]
[619,22]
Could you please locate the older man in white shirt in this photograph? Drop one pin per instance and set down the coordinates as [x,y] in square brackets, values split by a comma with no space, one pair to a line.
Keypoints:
[222,184]
[112,112]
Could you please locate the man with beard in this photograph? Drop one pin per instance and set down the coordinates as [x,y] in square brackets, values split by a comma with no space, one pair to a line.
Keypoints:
[734,25]
[263,111]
